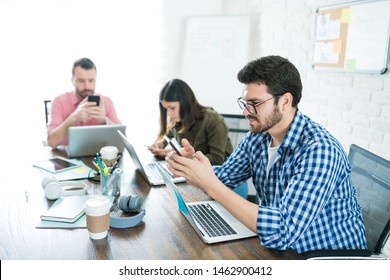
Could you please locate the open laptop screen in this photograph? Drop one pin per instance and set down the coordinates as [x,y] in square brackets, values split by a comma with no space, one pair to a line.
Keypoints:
[88,140]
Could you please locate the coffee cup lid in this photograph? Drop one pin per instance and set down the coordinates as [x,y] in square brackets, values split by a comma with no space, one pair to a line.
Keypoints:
[109,152]
[97,206]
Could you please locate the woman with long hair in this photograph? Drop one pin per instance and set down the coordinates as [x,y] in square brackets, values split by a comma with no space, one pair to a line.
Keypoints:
[181,116]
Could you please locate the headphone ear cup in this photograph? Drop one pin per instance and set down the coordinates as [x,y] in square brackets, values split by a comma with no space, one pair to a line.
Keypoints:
[53,190]
[130,203]
[48,180]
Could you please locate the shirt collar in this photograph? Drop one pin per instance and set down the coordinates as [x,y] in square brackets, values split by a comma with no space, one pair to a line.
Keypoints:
[74,99]
[200,114]
[291,140]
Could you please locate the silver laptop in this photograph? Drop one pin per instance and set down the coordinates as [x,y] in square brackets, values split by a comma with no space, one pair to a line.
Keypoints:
[210,219]
[149,171]
[88,140]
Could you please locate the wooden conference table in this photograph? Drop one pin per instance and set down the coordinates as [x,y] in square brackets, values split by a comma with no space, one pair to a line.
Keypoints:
[164,234]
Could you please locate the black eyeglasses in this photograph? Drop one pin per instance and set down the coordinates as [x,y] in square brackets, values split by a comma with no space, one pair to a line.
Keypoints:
[250,107]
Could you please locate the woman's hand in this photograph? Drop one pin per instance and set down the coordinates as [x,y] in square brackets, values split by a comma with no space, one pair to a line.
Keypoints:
[158,150]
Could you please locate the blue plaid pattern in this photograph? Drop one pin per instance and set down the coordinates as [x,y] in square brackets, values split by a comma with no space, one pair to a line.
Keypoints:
[309,202]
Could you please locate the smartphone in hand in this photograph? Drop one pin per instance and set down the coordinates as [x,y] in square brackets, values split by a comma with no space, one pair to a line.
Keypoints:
[173,145]
[94,98]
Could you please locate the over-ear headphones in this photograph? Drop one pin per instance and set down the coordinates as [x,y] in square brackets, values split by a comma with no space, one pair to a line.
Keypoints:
[127,204]
[55,189]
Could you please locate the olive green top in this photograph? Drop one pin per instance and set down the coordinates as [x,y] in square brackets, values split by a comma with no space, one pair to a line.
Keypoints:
[209,135]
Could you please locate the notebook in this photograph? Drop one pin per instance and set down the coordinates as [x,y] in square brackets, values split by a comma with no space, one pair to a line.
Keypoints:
[149,171]
[76,203]
[88,140]
[211,220]
[66,209]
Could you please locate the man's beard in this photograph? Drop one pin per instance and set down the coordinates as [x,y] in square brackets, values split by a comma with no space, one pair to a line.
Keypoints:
[272,120]
[82,94]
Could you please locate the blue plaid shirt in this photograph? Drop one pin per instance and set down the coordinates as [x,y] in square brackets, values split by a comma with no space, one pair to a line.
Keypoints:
[309,202]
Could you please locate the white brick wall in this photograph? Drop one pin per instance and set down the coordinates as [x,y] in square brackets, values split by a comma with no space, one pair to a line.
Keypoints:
[354,107]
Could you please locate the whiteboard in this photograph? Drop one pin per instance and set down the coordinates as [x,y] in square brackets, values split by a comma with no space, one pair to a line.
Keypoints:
[353,37]
[215,49]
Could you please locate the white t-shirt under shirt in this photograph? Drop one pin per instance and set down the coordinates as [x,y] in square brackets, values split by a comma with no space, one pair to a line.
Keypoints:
[272,155]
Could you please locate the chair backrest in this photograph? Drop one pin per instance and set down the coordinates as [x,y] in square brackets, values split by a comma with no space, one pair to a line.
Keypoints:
[238,127]
[371,177]
[47,110]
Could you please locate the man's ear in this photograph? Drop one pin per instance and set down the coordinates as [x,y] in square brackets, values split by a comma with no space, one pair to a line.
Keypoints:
[285,101]
[73,81]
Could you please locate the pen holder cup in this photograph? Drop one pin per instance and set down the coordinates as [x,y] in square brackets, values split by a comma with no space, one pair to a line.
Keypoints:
[110,183]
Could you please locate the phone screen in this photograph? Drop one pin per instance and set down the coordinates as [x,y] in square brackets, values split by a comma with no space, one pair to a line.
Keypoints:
[173,145]
[94,98]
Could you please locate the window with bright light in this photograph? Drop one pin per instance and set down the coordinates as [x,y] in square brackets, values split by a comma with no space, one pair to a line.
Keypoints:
[41,39]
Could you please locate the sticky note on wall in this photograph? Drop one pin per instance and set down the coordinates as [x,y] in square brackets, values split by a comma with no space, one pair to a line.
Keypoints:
[346,15]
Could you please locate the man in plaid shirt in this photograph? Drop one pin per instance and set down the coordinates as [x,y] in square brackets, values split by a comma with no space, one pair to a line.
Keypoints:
[300,171]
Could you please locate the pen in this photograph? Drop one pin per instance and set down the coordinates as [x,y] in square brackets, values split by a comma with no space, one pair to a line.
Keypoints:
[113,168]
[97,166]
[115,164]
[99,163]
[114,177]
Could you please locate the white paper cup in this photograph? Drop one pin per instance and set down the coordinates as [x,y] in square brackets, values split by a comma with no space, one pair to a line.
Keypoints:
[97,211]
[109,155]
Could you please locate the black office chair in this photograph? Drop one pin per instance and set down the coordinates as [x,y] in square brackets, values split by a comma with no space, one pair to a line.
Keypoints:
[47,110]
[371,177]
[238,127]
[47,104]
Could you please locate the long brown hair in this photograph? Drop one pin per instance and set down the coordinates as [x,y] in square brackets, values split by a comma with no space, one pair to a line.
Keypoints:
[178,90]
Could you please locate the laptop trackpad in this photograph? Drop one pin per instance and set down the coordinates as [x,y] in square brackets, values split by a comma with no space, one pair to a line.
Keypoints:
[228,217]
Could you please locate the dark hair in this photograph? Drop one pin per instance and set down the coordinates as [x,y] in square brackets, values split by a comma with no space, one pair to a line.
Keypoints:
[84,63]
[178,90]
[277,73]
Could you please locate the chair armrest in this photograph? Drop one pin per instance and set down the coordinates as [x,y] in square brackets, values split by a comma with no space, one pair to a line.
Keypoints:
[337,253]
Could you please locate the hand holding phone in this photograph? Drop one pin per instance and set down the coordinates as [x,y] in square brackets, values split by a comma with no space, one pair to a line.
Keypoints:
[173,145]
[94,98]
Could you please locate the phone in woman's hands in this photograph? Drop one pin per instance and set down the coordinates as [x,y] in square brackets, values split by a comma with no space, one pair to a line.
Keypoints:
[173,145]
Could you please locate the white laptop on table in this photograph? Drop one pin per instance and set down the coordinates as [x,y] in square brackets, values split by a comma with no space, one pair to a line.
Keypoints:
[88,140]
[210,219]
[149,171]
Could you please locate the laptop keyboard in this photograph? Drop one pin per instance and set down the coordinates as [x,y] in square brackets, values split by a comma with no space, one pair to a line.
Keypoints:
[211,221]
[152,170]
